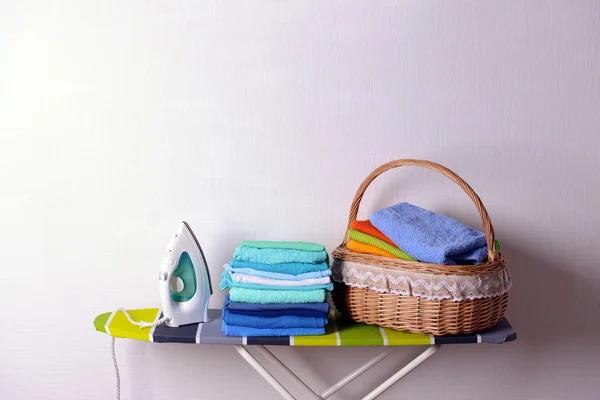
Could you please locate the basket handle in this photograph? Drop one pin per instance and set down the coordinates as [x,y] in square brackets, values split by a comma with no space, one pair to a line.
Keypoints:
[487,224]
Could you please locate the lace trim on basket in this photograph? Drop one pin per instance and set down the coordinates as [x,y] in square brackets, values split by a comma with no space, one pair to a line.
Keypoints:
[424,285]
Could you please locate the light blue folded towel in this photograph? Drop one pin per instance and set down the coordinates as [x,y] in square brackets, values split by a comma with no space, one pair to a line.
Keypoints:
[228,282]
[278,256]
[291,268]
[263,296]
[281,322]
[245,331]
[277,275]
[430,237]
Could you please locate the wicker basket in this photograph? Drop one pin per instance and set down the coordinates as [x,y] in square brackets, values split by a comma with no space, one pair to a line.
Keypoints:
[405,309]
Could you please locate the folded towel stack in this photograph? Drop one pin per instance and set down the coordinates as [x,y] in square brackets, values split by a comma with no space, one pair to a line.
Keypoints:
[276,289]
[412,233]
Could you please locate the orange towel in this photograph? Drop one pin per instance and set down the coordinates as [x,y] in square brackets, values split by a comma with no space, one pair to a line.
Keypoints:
[368,228]
[367,249]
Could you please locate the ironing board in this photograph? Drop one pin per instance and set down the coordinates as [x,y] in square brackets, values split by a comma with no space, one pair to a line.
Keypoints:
[340,331]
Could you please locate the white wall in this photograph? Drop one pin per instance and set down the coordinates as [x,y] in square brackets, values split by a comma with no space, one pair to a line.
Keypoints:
[259,120]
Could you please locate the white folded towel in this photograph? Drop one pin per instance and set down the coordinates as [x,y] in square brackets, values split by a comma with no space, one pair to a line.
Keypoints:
[260,280]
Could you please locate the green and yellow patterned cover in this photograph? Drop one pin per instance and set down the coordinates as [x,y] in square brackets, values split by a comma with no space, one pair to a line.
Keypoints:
[340,331]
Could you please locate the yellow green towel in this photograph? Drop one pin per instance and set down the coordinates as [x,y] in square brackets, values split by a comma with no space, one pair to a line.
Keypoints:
[359,247]
[373,241]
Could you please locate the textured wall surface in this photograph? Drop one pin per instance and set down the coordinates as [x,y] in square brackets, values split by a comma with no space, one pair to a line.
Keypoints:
[259,119]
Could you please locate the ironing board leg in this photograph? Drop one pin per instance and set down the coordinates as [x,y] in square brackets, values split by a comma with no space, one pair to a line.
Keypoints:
[263,372]
[273,359]
[254,363]
[431,350]
[356,373]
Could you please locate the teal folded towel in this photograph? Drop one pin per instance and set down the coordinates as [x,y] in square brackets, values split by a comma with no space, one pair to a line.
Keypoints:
[265,244]
[228,282]
[292,268]
[245,331]
[278,256]
[265,296]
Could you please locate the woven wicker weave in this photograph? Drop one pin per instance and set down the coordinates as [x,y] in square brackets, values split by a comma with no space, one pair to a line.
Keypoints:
[412,313]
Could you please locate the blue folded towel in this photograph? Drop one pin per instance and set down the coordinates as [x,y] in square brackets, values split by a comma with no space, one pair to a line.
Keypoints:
[297,310]
[278,256]
[283,322]
[227,282]
[292,268]
[245,331]
[430,237]
[277,275]
[321,307]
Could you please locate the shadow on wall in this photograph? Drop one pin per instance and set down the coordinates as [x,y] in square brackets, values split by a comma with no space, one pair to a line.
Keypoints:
[549,307]
[549,304]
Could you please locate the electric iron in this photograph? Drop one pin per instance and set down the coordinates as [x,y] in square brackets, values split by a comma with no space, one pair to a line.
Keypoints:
[184,280]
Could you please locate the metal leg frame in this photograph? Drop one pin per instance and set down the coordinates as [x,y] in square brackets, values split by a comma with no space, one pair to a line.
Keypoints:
[431,350]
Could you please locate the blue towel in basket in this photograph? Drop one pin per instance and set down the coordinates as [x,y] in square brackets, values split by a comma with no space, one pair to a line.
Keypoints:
[430,237]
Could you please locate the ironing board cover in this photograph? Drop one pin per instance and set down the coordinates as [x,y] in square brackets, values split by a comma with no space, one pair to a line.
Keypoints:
[340,331]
